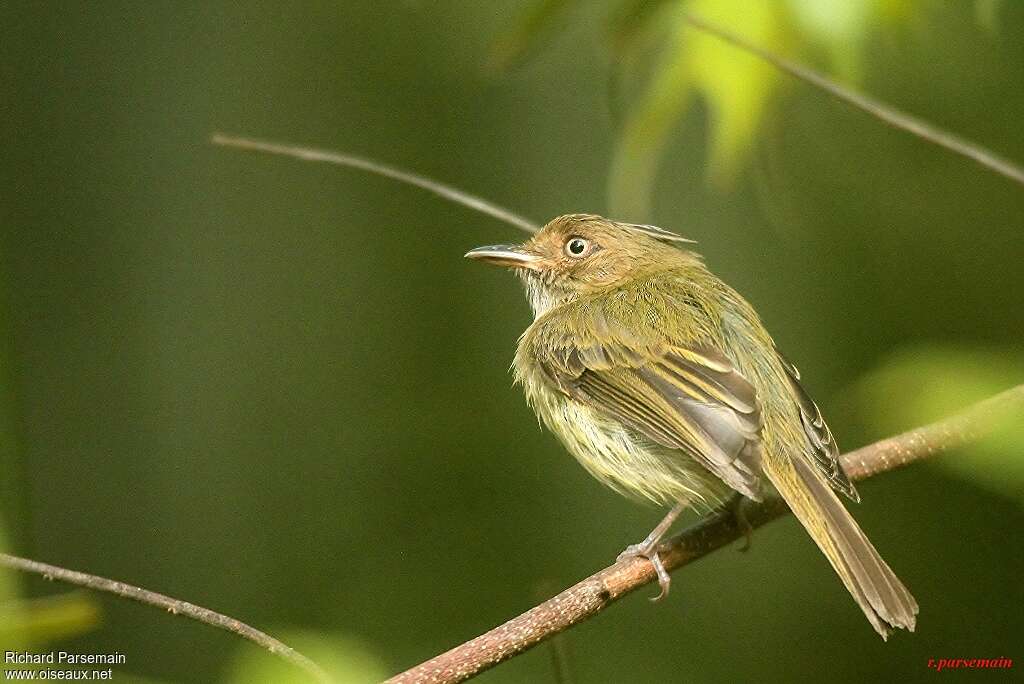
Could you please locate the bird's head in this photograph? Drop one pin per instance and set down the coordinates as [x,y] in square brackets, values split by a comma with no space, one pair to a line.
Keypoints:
[582,254]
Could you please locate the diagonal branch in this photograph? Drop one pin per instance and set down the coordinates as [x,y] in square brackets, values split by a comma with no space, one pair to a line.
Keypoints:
[171,605]
[885,113]
[597,592]
[589,597]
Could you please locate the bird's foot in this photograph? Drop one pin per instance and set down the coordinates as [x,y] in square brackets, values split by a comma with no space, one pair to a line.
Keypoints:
[649,550]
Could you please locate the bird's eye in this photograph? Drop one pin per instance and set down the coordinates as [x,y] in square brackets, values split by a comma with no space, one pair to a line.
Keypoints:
[577,247]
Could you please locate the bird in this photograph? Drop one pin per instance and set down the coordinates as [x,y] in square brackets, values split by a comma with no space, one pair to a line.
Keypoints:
[665,385]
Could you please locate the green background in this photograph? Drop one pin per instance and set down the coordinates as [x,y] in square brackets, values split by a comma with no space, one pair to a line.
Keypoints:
[276,388]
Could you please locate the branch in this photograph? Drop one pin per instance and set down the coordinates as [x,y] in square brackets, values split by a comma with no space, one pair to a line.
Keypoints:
[597,592]
[171,605]
[884,113]
[448,192]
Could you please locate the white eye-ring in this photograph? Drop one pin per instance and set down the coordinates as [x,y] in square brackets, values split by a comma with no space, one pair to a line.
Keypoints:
[577,247]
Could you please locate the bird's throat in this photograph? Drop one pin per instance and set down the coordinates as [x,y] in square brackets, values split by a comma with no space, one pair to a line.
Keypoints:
[544,296]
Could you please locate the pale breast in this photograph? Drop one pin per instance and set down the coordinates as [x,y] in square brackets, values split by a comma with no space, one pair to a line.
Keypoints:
[625,460]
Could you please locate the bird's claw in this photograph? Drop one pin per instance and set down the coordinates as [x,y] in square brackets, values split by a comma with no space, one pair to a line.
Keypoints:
[664,581]
[649,552]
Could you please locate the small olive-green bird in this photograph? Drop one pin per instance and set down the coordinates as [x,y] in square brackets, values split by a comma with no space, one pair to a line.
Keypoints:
[661,380]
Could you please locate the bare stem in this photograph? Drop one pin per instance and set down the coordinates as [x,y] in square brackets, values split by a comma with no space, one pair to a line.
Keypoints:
[884,113]
[597,592]
[171,605]
[448,192]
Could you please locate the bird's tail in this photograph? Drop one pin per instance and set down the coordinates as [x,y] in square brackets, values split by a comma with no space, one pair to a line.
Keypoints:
[876,589]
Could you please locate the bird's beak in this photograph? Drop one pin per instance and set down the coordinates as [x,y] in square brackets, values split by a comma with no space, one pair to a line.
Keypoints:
[512,256]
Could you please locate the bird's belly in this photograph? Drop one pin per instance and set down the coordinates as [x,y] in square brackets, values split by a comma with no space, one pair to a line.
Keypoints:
[628,462]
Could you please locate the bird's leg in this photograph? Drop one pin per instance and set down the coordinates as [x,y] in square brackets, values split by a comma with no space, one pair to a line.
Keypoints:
[735,506]
[647,549]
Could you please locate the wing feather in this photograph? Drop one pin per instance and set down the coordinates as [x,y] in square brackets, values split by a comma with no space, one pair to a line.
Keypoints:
[823,447]
[683,397]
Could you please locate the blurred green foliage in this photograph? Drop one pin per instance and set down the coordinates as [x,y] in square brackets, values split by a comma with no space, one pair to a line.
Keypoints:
[920,385]
[736,88]
[32,624]
[344,659]
[276,389]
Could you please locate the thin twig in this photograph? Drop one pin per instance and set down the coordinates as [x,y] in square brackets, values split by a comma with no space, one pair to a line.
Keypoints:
[448,192]
[884,113]
[597,592]
[171,605]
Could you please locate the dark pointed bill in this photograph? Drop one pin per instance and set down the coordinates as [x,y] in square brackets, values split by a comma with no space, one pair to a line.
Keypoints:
[504,255]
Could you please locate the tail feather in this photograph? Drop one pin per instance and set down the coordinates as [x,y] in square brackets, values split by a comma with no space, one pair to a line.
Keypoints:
[876,589]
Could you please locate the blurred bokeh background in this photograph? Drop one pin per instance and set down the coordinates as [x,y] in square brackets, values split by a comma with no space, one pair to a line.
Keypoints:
[276,389]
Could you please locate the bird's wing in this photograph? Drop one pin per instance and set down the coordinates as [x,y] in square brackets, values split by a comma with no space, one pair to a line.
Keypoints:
[686,397]
[823,447]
